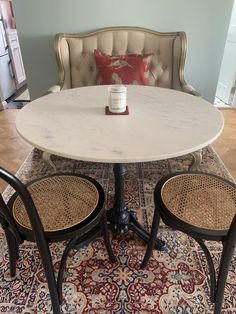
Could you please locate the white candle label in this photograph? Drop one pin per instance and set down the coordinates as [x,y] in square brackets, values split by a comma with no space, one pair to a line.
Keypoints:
[117,98]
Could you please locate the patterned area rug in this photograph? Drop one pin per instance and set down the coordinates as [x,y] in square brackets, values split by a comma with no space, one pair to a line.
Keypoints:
[174,282]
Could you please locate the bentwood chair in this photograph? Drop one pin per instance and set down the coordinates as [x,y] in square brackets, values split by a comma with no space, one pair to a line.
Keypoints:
[203,206]
[50,209]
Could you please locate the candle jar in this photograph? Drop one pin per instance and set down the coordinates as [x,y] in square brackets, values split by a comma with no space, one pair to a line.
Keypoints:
[117,98]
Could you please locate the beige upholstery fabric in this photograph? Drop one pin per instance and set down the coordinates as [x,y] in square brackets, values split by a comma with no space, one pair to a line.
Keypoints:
[77,65]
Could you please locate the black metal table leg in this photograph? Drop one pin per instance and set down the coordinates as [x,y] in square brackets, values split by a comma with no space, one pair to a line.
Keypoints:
[122,219]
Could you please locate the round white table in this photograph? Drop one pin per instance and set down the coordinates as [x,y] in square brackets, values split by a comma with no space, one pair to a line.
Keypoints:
[161,124]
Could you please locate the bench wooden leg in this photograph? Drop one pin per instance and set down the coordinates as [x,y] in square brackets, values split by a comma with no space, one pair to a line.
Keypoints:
[197,159]
[47,159]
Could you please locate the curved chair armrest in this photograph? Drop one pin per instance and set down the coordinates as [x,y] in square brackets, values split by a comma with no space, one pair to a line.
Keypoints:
[53,89]
[190,90]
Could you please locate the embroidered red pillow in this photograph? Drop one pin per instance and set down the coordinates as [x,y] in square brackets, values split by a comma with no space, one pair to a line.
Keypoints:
[123,69]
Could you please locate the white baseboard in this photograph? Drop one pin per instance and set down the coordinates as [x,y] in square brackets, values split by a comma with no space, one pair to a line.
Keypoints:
[3,105]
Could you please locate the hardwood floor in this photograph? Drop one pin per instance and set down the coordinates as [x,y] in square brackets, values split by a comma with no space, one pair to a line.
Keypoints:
[225,145]
[14,150]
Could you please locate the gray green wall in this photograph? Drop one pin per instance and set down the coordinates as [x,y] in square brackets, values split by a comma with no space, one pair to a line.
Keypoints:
[204,21]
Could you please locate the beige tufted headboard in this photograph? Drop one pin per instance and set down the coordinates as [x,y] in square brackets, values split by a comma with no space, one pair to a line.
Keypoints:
[77,66]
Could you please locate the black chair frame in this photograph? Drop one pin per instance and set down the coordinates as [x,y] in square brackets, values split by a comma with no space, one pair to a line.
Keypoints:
[78,235]
[227,237]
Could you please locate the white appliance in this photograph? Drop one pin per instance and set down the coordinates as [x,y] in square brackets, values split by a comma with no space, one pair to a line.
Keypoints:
[7,83]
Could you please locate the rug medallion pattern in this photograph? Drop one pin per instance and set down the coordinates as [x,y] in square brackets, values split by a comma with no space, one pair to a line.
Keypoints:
[174,281]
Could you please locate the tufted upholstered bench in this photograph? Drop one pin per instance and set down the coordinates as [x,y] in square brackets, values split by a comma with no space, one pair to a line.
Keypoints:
[77,67]
[76,63]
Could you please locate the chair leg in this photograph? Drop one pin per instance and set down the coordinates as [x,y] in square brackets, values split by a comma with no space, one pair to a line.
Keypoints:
[49,273]
[106,237]
[226,257]
[151,242]
[211,268]
[13,249]
[71,244]
[66,252]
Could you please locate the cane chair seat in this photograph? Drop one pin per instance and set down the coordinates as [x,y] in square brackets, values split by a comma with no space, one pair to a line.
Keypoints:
[58,208]
[200,200]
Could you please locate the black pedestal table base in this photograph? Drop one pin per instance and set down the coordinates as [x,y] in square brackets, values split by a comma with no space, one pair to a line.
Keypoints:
[122,219]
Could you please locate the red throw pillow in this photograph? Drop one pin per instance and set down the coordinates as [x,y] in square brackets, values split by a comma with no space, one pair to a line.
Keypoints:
[125,69]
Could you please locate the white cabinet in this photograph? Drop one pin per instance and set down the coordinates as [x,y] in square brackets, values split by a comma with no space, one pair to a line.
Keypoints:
[16,58]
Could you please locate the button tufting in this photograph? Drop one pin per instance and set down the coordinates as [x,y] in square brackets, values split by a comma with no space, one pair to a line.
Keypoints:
[164,67]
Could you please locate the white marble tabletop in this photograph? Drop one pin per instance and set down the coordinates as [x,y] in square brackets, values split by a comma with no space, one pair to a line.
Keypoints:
[162,123]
